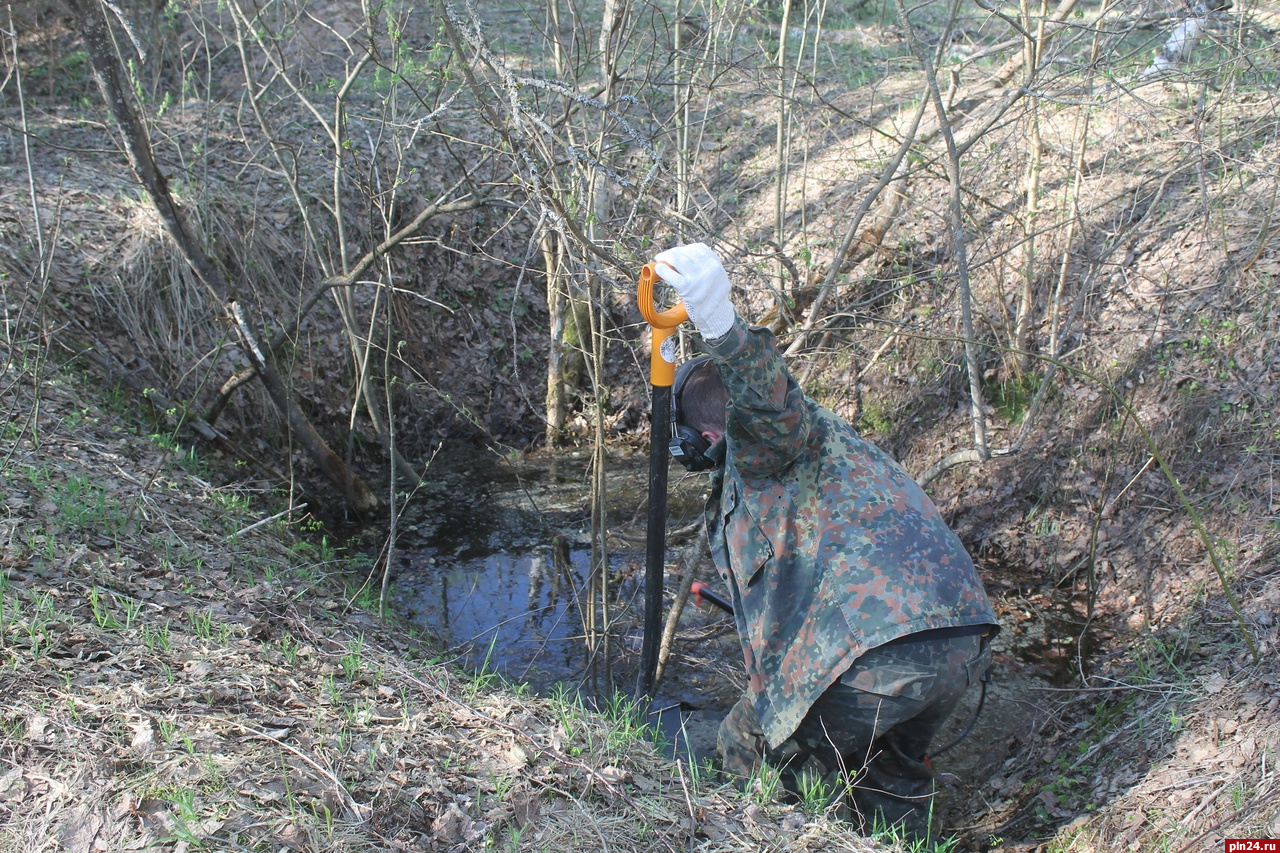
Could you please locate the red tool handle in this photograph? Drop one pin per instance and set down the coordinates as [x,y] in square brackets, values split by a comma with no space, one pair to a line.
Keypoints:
[700,591]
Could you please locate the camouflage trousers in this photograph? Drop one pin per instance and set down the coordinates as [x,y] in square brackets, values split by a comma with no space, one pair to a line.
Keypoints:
[867,737]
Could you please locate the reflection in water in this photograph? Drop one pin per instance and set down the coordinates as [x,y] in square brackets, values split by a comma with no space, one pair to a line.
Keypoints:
[497,566]
[522,614]
[517,614]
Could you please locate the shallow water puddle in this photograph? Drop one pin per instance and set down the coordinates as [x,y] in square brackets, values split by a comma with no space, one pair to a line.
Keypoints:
[1045,628]
[495,563]
[496,560]
[518,613]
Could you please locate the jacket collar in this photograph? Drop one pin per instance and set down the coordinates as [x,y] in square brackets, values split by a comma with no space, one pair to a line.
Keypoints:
[717,452]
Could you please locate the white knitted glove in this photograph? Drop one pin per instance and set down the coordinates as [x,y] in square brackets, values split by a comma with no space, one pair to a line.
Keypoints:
[696,274]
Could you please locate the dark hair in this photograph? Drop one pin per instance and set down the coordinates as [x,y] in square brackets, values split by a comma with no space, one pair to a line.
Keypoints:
[703,398]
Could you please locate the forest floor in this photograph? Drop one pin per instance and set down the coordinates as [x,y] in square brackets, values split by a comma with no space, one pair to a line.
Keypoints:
[182,668]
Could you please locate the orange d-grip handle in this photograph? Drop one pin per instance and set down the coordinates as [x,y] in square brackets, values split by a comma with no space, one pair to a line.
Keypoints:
[668,319]
[662,373]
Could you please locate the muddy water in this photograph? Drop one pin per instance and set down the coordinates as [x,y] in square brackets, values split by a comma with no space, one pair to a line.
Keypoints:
[495,563]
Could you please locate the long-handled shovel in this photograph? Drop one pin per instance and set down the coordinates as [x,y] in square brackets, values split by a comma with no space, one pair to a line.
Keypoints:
[662,372]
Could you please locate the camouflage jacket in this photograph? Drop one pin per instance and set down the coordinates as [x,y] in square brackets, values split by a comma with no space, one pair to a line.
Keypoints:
[828,547]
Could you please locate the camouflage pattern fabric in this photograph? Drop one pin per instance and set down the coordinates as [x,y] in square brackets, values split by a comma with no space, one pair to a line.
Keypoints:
[828,547]
[866,738]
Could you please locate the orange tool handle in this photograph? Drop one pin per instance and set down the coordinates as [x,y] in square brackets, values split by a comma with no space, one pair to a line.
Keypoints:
[662,373]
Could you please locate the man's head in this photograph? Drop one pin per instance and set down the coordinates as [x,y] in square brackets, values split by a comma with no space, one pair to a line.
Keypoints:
[703,399]
[699,401]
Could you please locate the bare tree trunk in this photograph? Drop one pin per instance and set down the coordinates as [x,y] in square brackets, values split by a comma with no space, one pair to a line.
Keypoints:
[1025,322]
[556,403]
[782,148]
[683,92]
[959,237]
[599,490]
[106,68]
[393,507]
[612,35]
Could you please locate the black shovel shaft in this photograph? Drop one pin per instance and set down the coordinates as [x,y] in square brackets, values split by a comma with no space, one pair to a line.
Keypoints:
[656,538]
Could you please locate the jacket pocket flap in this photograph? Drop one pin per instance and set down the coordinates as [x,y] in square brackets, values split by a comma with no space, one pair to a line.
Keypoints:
[749,547]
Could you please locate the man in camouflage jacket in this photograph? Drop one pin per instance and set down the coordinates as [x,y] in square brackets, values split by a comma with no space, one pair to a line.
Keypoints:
[861,617]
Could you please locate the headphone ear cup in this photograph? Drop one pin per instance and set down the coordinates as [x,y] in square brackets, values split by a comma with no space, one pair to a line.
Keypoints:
[690,448]
[693,437]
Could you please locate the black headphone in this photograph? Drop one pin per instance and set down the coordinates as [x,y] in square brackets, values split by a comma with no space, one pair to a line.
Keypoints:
[687,444]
